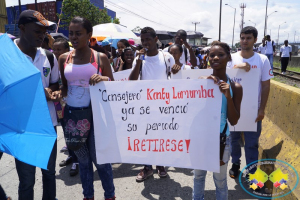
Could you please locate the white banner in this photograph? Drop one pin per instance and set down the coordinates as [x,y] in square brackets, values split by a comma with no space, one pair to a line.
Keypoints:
[122,75]
[170,123]
[249,81]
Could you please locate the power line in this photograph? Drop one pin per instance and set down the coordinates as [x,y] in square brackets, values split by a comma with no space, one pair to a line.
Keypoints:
[169,8]
[134,7]
[133,13]
[159,9]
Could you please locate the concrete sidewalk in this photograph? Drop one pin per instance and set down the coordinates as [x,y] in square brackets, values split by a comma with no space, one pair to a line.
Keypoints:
[178,185]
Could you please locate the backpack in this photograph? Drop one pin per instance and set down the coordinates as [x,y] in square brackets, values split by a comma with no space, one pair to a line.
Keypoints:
[50,57]
[184,50]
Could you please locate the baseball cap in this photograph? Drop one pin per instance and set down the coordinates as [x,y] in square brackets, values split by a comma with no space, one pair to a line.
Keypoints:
[29,16]
[105,43]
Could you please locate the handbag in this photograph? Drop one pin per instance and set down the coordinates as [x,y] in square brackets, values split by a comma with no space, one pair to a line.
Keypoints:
[77,126]
[222,144]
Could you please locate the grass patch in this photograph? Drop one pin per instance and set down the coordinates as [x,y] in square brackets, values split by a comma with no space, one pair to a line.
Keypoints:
[295,69]
[278,79]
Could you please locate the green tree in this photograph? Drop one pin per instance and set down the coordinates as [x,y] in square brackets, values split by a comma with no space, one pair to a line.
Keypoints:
[116,21]
[83,8]
[237,45]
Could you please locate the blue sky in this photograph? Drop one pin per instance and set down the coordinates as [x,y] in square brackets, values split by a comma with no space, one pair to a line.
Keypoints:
[177,14]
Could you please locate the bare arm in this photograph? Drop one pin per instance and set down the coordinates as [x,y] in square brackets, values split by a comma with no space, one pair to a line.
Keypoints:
[61,62]
[134,75]
[193,58]
[265,90]
[280,56]
[105,66]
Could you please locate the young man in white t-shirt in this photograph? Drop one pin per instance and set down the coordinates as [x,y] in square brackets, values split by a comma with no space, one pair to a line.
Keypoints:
[33,27]
[262,47]
[151,64]
[285,56]
[248,60]
[188,56]
[270,49]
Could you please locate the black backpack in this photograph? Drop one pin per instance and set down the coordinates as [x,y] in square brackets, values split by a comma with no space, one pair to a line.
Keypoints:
[50,57]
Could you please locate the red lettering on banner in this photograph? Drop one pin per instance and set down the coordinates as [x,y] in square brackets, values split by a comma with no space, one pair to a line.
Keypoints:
[161,146]
[180,145]
[173,142]
[164,145]
[136,143]
[149,94]
[129,146]
[143,144]
[163,95]
[150,143]
[156,140]
[210,93]
[167,145]
[187,145]
[158,95]
[203,91]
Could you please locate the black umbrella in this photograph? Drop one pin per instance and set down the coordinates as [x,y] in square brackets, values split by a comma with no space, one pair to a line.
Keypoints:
[164,35]
[58,35]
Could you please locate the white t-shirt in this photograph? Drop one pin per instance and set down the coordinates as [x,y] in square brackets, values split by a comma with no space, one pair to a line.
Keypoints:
[269,47]
[257,62]
[285,50]
[154,67]
[262,49]
[182,58]
[48,75]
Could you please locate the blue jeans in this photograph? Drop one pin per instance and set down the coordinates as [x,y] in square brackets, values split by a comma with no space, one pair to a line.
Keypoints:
[86,157]
[74,157]
[270,57]
[220,179]
[26,175]
[251,146]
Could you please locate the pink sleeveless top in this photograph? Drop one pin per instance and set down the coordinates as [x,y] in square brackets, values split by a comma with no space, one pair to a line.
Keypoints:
[78,77]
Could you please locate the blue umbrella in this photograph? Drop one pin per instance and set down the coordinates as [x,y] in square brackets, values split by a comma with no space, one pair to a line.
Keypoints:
[113,42]
[26,130]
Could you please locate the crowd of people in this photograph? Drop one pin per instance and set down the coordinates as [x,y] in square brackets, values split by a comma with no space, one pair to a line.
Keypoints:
[89,63]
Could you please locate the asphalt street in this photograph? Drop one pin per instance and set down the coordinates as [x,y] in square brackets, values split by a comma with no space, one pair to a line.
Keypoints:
[178,185]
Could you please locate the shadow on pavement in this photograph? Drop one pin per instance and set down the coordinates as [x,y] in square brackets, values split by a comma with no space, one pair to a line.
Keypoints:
[165,188]
[64,175]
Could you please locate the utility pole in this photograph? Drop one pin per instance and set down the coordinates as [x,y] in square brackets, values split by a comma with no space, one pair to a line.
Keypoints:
[195,24]
[242,6]
[266,16]
[35,2]
[220,21]
[20,7]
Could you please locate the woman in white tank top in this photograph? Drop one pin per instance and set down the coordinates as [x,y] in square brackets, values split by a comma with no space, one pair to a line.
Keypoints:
[79,69]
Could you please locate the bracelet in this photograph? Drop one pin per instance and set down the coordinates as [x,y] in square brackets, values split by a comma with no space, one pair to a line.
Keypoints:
[108,79]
